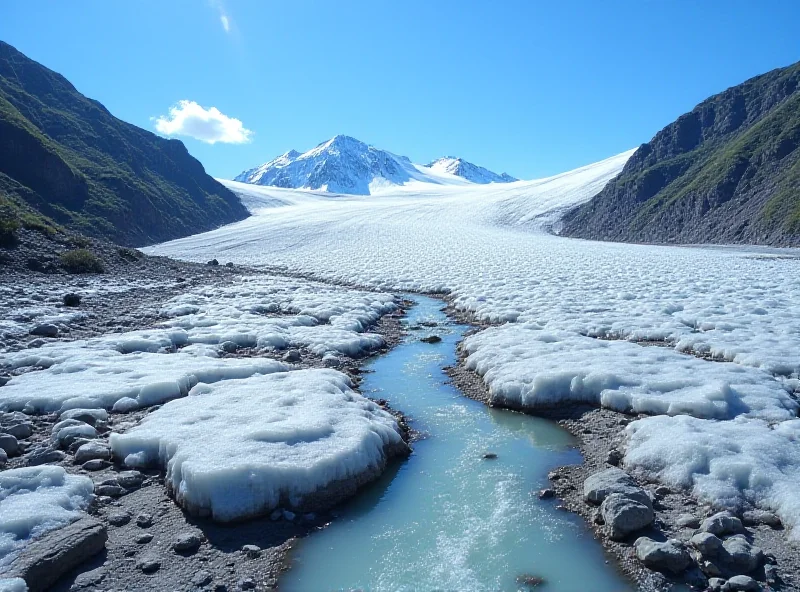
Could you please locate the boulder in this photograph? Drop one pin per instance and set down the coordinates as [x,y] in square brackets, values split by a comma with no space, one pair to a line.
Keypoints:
[669,556]
[741,584]
[45,330]
[623,515]
[72,299]
[722,524]
[740,555]
[20,430]
[612,480]
[708,544]
[688,521]
[92,451]
[9,444]
[45,456]
[755,517]
[49,557]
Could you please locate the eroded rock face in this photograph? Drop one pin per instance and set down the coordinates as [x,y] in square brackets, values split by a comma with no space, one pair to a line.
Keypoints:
[669,556]
[46,559]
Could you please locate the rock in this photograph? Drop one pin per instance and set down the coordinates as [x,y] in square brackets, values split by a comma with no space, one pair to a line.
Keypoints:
[715,584]
[47,558]
[213,263]
[95,465]
[754,517]
[721,524]
[45,330]
[4,379]
[330,361]
[613,480]
[614,457]
[431,339]
[624,515]
[119,518]
[490,456]
[9,444]
[229,347]
[687,521]
[287,515]
[529,582]
[546,494]
[740,555]
[186,542]
[771,574]
[110,490]
[45,457]
[92,451]
[130,479]
[669,556]
[3,458]
[710,568]
[90,416]
[229,264]
[66,432]
[71,299]
[144,538]
[252,551]
[247,584]
[662,491]
[741,584]
[149,564]
[20,431]
[292,356]
[202,578]
[708,544]
[144,520]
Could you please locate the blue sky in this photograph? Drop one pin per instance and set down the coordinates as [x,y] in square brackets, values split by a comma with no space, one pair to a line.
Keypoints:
[533,88]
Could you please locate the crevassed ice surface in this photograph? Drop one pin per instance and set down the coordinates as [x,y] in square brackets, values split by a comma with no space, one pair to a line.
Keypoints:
[34,500]
[237,448]
[487,246]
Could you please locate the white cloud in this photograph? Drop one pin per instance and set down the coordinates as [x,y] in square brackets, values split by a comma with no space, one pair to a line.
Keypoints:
[224,18]
[225,23]
[187,118]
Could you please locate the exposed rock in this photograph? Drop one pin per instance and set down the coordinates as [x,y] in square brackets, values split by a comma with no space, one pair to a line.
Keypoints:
[143,538]
[202,578]
[229,347]
[688,521]
[186,542]
[92,451]
[722,524]
[130,479]
[71,299]
[623,515]
[144,520]
[119,518]
[431,339]
[47,558]
[90,416]
[741,584]
[490,455]
[95,465]
[741,555]
[149,564]
[614,457]
[45,330]
[708,544]
[546,494]
[213,263]
[110,490]
[613,480]
[20,431]
[715,584]
[292,356]
[3,458]
[247,584]
[9,444]
[252,551]
[669,556]
[45,457]
[66,432]
[754,517]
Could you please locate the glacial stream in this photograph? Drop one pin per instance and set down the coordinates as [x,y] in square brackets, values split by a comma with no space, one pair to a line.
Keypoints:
[447,518]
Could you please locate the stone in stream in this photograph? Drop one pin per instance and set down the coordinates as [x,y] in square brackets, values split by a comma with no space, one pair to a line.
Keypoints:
[623,515]
[490,455]
[46,559]
[529,582]
[431,339]
[669,556]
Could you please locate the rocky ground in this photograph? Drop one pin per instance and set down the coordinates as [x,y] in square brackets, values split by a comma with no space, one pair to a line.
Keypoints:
[677,523]
[136,537]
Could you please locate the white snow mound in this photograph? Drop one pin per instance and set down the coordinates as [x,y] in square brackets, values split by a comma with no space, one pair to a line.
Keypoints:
[244,447]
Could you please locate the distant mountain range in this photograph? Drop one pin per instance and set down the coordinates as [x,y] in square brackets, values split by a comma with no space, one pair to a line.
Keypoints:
[346,165]
[64,159]
[726,172]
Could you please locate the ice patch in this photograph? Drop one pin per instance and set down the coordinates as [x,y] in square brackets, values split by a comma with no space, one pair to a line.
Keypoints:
[34,500]
[244,447]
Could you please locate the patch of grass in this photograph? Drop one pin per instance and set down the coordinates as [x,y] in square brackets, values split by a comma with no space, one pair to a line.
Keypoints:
[81,261]
[80,242]
[8,232]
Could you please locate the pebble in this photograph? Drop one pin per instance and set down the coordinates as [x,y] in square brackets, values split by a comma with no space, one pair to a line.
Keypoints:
[149,564]
[688,521]
[144,520]
[144,538]
[186,542]
[130,479]
[431,339]
[92,451]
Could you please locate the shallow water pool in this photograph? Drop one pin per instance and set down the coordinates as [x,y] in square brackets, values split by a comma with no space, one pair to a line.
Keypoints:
[447,518]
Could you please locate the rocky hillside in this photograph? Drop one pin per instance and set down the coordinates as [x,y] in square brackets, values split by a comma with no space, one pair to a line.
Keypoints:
[65,160]
[726,172]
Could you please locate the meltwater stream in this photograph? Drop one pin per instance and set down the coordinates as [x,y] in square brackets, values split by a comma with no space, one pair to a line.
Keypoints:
[447,518]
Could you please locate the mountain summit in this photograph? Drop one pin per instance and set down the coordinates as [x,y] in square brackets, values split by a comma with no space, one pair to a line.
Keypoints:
[347,165]
[467,170]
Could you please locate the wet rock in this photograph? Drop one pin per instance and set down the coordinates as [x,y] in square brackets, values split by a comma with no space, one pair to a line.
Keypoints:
[669,556]
[741,584]
[721,524]
[687,521]
[95,465]
[252,551]
[740,555]
[45,330]
[119,518]
[44,457]
[144,520]
[708,544]
[186,542]
[92,451]
[292,356]
[431,339]
[546,494]
[202,578]
[9,444]
[47,558]
[143,538]
[755,517]
[149,564]
[71,299]
[623,515]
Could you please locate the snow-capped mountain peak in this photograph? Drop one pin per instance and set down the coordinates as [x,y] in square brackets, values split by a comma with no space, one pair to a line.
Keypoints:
[346,165]
[467,170]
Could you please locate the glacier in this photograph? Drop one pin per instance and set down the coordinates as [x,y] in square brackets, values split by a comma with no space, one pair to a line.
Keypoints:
[721,323]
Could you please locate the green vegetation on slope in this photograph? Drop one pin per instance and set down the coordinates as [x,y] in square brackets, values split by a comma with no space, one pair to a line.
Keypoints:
[65,160]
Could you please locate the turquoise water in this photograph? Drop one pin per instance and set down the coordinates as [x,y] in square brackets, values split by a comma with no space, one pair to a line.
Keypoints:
[447,518]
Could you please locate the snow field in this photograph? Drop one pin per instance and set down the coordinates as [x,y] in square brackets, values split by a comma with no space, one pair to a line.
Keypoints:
[243,447]
[34,500]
